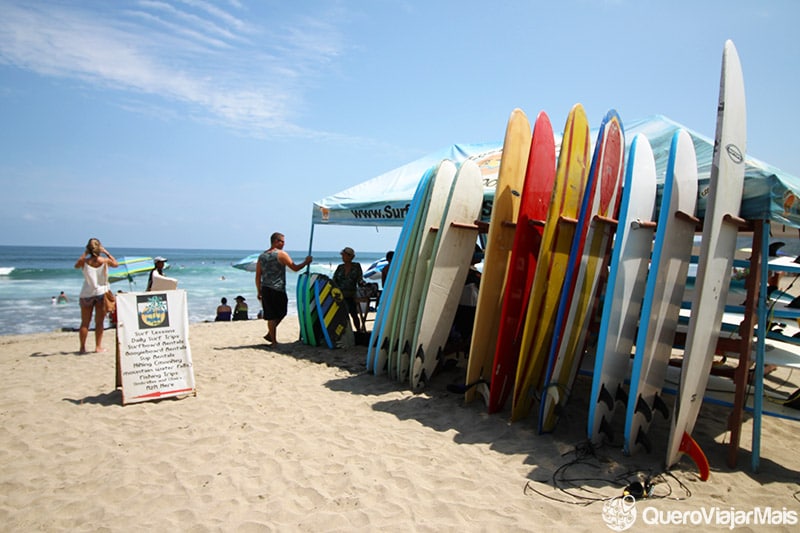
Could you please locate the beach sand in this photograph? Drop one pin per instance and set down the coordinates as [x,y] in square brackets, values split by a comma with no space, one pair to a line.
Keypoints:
[295,438]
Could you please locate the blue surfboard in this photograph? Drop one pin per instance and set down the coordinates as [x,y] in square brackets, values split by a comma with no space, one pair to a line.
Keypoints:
[302,281]
[672,252]
[625,288]
[382,315]
[590,205]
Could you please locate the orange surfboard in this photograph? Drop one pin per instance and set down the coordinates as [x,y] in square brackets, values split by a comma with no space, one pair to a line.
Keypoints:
[500,239]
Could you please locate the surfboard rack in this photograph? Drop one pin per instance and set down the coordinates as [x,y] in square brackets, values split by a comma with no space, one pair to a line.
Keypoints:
[462,225]
[687,217]
[606,220]
[536,223]
[739,222]
[644,224]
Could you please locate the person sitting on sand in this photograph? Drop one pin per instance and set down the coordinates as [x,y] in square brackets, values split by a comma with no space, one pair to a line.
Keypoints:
[223,311]
[240,311]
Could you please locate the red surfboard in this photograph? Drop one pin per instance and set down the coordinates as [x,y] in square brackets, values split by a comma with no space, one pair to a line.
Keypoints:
[536,193]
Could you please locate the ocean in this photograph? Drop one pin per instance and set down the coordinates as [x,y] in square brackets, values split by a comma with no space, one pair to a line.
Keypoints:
[30,276]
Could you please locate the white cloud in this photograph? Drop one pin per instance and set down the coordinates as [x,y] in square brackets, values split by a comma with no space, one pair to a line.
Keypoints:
[215,61]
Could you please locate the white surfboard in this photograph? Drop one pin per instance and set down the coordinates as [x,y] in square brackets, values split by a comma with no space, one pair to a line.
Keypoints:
[457,236]
[625,289]
[392,346]
[718,245]
[661,307]
[385,319]
[589,259]
[426,252]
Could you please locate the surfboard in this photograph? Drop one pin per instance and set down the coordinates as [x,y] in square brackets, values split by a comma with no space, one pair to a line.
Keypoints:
[440,192]
[300,294]
[385,311]
[536,192]
[332,313]
[672,251]
[551,264]
[375,269]
[306,309]
[721,391]
[589,256]
[500,240]
[390,347]
[457,236]
[717,248]
[625,289]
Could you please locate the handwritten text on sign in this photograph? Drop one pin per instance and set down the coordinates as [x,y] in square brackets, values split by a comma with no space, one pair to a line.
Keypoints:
[155,357]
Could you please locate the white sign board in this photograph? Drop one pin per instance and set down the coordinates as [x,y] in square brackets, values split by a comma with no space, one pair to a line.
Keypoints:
[154,355]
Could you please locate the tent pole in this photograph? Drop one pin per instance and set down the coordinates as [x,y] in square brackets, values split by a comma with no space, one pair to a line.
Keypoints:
[310,245]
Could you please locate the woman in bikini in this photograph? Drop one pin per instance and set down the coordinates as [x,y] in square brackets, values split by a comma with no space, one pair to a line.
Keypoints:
[95,285]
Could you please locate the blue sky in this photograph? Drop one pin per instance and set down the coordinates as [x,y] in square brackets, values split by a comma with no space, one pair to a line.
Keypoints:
[200,124]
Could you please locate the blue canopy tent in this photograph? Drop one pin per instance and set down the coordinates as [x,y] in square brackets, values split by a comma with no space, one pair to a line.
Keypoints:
[769,195]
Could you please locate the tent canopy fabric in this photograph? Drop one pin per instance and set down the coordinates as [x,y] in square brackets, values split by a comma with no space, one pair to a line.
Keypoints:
[385,199]
[769,193]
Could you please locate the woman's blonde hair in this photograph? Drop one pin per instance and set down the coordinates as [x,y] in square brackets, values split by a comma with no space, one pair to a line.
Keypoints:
[93,247]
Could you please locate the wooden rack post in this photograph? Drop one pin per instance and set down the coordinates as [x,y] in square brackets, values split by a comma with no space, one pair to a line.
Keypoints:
[746,332]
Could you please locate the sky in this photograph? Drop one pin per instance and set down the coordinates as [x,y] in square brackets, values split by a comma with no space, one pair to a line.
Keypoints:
[212,124]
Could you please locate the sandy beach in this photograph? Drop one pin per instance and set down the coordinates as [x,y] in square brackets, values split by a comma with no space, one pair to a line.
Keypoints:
[295,438]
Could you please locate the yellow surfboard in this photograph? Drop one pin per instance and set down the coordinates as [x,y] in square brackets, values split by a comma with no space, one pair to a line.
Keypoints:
[500,240]
[573,166]
[599,220]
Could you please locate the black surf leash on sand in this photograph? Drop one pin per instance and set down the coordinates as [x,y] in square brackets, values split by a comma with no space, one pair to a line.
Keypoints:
[637,484]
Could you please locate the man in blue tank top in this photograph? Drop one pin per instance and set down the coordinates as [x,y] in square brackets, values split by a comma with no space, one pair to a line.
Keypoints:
[271,283]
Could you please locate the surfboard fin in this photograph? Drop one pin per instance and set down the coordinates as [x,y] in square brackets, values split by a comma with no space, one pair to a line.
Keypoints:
[642,407]
[661,406]
[605,429]
[643,440]
[690,447]
[461,389]
[622,395]
[606,398]
[417,367]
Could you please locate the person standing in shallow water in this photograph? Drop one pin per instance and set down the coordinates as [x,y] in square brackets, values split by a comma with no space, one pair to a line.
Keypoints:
[95,285]
[271,283]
